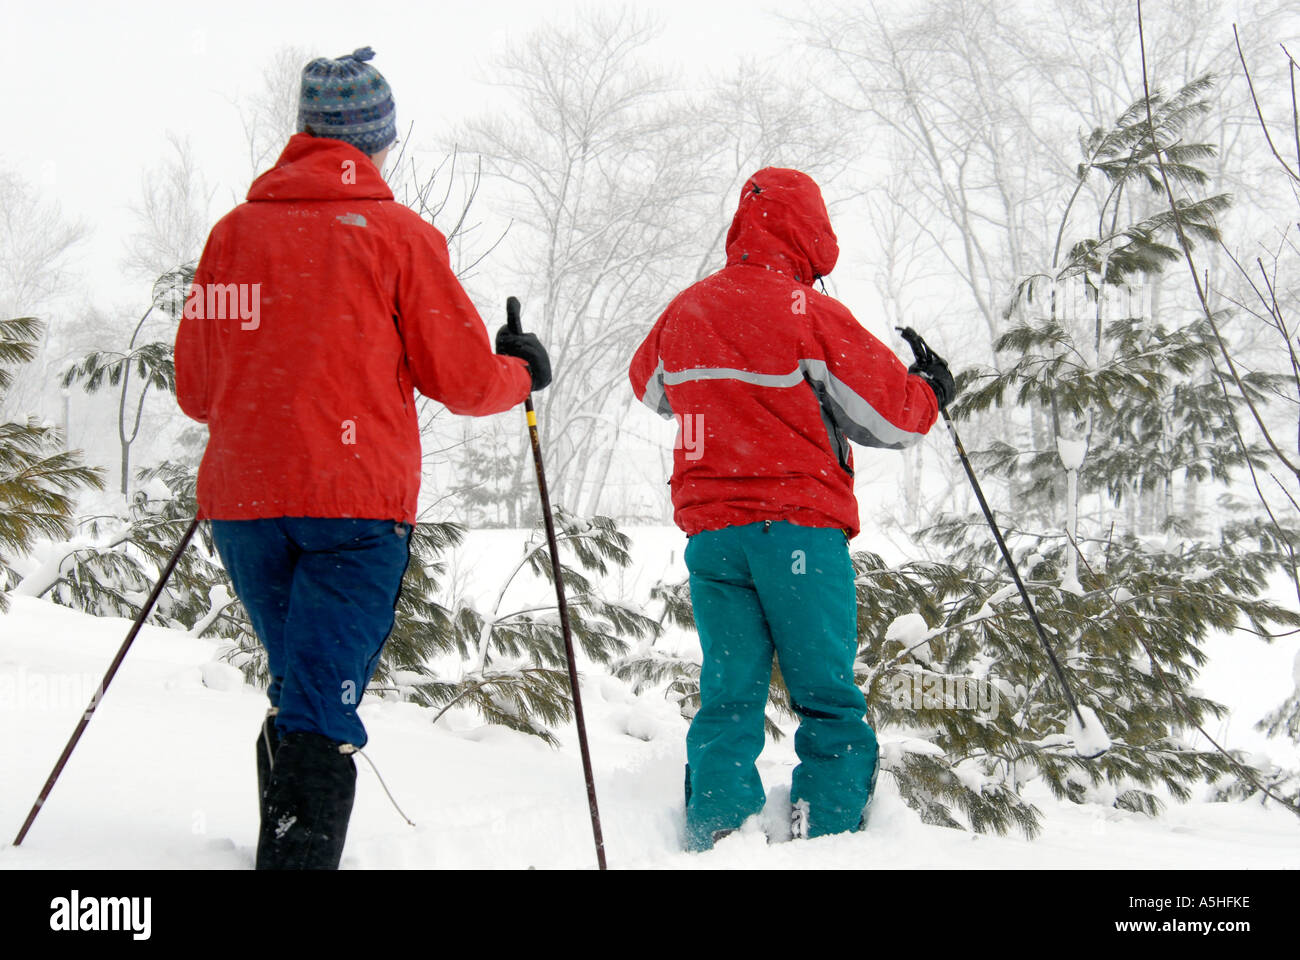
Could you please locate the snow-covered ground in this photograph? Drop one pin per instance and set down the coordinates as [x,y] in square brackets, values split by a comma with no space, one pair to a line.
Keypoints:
[164,777]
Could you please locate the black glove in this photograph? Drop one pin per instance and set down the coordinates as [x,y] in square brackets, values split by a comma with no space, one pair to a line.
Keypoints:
[930,367]
[936,373]
[529,349]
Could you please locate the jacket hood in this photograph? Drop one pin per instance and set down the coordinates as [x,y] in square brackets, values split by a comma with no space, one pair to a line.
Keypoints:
[317,168]
[781,223]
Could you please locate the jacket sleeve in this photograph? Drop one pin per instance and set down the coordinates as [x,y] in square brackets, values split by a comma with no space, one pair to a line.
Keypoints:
[447,347]
[647,373]
[193,341]
[863,386]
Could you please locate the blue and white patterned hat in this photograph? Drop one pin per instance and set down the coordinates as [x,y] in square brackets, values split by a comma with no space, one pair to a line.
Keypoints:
[349,100]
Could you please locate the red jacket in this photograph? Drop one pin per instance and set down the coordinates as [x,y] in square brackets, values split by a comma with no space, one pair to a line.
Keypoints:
[770,379]
[317,306]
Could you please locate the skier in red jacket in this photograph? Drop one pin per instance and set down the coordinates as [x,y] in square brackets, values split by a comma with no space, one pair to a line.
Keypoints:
[317,307]
[772,380]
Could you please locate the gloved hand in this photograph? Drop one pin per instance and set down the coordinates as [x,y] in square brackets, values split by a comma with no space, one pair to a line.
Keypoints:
[529,349]
[930,367]
[935,372]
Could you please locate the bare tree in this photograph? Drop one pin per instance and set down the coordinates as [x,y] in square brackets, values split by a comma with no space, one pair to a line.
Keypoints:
[469,459]
[759,116]
[597,167]
[1265,268]
[172,223]
[36,242]
[940,89]
[36,245]
[980,106]
[171,215]
[270,115]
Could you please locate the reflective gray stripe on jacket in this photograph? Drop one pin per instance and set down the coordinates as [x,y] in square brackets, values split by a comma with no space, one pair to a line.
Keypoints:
[842,408]
[859,420]
[790,379]
[654,397]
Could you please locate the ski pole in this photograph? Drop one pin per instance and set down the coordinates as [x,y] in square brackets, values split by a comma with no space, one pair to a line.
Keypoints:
[516,326]
[1091,730]
[108,678]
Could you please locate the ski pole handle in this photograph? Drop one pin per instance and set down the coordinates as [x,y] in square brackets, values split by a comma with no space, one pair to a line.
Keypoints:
[513,323]
[920,349]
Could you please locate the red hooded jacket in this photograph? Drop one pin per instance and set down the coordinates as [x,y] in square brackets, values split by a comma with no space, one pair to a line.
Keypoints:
[770,379]
[316,307]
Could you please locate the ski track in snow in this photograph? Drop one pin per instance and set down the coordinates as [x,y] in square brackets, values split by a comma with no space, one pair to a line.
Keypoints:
[164,777]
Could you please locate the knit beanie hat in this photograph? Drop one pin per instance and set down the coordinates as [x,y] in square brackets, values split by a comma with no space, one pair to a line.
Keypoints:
[349,100]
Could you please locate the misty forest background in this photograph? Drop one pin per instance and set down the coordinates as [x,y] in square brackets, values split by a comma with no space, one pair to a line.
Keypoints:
[1105,252]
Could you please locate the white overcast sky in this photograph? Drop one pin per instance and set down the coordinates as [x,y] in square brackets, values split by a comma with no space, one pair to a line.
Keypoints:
[95,87]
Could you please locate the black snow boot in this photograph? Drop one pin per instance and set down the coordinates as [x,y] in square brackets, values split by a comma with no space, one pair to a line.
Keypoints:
[308,804]
[268,741]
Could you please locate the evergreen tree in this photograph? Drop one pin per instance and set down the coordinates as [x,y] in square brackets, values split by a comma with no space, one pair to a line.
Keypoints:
[650,667]
[1135,407]
[486,481]
[111,564]
[1284,720]
[151,363]
[514,671]
[38,477]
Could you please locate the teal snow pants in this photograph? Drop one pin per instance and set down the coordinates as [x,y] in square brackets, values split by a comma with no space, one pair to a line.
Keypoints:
[756,589]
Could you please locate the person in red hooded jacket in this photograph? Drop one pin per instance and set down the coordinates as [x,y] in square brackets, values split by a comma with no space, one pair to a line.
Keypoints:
[318,306]
[770,380]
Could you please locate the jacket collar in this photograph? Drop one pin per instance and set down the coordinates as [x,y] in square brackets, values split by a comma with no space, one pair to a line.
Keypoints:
[318,168]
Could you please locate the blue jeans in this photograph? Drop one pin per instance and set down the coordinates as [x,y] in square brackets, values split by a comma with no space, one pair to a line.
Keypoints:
[321,594]
[756,589]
